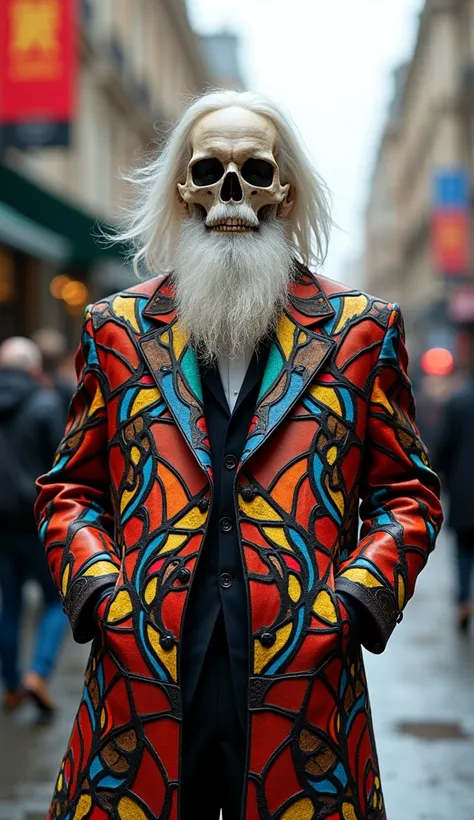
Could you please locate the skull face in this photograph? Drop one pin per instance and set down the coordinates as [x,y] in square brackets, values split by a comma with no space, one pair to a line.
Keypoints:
[233,178]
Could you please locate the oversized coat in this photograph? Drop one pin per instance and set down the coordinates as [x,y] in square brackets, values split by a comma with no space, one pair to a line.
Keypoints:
[127,504]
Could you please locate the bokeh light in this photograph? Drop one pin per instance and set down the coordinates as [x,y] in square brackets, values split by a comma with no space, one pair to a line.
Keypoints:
[437,361]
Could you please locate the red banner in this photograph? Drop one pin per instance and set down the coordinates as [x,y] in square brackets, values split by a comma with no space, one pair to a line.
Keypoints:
[38,70]
[451,242]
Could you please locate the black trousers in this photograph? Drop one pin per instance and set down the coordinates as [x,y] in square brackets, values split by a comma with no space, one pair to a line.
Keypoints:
[214,742]
[465,564]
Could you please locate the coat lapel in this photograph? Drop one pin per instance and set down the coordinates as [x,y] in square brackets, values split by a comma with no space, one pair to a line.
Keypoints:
[295,356]
[173,364]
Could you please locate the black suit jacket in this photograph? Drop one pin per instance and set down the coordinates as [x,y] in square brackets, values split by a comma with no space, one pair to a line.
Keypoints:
[219,587]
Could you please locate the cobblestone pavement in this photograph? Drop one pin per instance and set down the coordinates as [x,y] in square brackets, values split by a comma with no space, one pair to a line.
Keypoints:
[422,698]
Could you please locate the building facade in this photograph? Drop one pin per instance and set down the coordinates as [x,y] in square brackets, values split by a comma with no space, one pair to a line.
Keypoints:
[430,129]
[140,62]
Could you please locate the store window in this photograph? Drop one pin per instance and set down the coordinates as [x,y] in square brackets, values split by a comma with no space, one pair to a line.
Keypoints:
[13,293]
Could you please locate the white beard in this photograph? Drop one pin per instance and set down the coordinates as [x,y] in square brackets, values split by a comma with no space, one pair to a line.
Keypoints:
[231,288]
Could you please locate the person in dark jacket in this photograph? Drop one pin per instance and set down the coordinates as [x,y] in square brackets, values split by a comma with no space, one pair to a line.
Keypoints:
[57,364]
[455,460]
[31,420]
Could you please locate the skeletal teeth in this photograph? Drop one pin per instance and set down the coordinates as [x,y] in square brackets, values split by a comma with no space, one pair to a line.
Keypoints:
[232,226]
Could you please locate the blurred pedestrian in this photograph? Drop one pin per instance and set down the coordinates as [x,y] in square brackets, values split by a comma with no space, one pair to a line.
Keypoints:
[31,422]
[455,460]
[57,362]
[431,398]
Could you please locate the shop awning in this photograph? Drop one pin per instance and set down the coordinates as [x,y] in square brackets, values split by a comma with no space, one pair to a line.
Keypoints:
[25,235]
[72,230]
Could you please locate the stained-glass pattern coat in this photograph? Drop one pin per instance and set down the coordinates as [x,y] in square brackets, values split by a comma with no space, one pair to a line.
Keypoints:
[126,506]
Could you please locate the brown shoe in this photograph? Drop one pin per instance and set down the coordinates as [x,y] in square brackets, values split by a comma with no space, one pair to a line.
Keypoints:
[36,688]
[12,701]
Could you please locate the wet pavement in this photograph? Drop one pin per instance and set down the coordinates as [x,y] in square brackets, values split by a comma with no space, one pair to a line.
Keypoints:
[422,692]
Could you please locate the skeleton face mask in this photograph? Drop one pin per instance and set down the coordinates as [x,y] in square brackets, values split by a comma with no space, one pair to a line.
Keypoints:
[233,178]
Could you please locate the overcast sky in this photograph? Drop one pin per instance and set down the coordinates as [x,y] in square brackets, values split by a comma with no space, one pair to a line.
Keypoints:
[330,63]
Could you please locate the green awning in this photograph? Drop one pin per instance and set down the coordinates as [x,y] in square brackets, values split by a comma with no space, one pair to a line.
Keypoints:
[25,235]
[71,226]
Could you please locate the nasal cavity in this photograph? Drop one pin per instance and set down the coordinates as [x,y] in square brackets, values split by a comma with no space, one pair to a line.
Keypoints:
[231,188]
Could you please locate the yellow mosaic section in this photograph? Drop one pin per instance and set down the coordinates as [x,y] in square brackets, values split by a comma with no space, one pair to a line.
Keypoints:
[124,308]
[65,579]
[83,807]
[362,576]
[353,306]
[259,509]
[173,541]
[301,810]
[128,809]
[180,339]
[150,590]
[101,568]
[168,657]
[401,594]
[97,402]
[191,521]
[286,334]
[145,398]
[328,397]
[294,588]
[120,607]
[127,496]
[277,536]
[379,397]
[324,607]
[262,654]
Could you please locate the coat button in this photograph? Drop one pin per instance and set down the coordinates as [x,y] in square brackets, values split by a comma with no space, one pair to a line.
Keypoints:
[184,575]
[226,524]
[267,638]
[248,492]
[203,505]
[299,368]
[230,462]
[226,580]
[165,368]
[167,641]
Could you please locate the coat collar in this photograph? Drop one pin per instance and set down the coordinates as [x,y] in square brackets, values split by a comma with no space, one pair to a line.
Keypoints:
[308,304]
[295,355]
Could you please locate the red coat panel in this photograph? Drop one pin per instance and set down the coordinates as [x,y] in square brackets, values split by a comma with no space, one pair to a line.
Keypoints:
[126,503]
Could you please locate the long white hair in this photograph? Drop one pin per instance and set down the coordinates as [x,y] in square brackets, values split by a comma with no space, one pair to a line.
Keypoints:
[153,221]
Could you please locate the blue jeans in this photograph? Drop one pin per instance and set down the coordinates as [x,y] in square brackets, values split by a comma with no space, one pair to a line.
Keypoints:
[465,564]
[22,559]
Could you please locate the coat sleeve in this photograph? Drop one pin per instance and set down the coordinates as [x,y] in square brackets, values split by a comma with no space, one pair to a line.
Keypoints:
[73,507]
[400,508]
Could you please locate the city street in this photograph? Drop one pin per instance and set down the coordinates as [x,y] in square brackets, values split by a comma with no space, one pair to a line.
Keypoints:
[422,698]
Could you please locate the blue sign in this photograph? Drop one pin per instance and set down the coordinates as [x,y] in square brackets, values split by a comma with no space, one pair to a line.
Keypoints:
[452,190]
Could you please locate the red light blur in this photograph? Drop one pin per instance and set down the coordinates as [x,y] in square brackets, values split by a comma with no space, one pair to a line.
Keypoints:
[437,362]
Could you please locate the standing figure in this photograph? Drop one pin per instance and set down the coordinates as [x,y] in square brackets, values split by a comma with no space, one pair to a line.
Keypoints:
[58,363]
[201,518]
[31,422]
[454,459]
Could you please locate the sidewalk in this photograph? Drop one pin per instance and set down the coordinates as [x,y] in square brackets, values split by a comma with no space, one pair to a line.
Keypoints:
[422,692]
[30,756]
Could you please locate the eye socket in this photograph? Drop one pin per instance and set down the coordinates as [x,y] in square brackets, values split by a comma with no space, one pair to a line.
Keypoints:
[207,171]
[258,172]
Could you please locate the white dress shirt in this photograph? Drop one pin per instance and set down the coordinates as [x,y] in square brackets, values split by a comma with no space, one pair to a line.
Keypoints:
[232,372]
